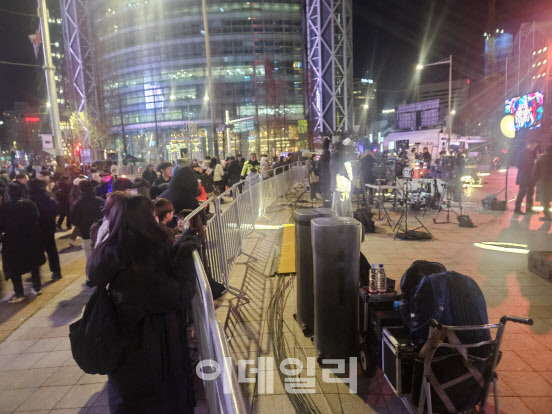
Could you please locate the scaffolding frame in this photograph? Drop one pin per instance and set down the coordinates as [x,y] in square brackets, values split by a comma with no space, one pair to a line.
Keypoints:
[80,62]
[329,33]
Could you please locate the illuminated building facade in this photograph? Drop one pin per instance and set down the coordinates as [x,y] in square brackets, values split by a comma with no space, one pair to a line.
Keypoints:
[152,74]
[22,131]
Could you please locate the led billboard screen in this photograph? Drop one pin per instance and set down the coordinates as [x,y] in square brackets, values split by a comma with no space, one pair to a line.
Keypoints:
[527,110]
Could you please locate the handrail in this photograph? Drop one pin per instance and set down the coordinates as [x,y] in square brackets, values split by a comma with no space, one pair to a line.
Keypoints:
[223,393]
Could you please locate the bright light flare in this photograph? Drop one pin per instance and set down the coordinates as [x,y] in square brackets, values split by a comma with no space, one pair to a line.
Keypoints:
[503,247]
[483,174]
[419,66]
[503,170]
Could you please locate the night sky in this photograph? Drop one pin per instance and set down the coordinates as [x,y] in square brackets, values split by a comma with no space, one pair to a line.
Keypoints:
[391,37]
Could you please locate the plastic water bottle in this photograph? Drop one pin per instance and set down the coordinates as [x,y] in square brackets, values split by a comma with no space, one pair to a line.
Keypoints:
[382,280]
[373,286]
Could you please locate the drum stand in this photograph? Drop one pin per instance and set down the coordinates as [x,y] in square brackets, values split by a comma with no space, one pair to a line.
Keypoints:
[379,202]
[446,195]
[402,224]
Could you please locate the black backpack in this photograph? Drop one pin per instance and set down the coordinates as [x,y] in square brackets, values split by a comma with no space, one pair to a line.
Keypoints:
[415,273]
[96,341]
[364,216]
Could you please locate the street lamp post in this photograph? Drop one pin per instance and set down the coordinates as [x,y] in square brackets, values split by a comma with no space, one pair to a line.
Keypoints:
[450,111]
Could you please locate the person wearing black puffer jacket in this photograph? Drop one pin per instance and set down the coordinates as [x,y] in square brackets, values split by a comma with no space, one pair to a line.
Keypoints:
[85,212]
[183,190]
[152,289]
[47,210]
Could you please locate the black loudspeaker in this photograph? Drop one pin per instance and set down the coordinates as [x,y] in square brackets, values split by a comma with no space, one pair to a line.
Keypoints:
[465,221]
[491,203]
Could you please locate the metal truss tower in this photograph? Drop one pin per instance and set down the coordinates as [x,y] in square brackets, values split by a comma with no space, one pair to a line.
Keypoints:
[329,74]
[80,62]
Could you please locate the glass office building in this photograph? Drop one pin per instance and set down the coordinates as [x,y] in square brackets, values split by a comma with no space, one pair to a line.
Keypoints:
[152,74]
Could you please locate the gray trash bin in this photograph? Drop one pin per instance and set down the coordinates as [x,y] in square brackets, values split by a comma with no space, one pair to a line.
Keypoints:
[303,265]
[336,253]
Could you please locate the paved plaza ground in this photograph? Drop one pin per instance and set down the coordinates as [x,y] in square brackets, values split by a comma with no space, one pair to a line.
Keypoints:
[38,374]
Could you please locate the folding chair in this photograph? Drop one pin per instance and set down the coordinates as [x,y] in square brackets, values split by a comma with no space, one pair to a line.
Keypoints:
[456,375]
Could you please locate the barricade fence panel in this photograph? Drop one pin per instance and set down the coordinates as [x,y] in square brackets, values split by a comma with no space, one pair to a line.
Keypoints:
[224,235]
[228,226]
[223,392]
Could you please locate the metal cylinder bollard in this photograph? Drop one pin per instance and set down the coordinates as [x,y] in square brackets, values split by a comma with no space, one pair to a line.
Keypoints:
[303,265]
[336,257]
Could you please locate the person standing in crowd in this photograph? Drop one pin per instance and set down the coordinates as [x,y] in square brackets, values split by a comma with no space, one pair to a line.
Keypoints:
[164,214]
[206,162]
[314,178]
[252,179]
[100,229]
[149,174]
[275,164]
[252,163]
[152,290]
[142,186]
[166,170]
[183,190]
[115,170]
[62,190]
[192,238]
[265,167]
[525,179]
[342,203]
[426,156]
[31,171]
[219,175]
[233,171]
[324,172]
[22,179]
[95,176]
[47,210]
[240,160]
[105,186]
[542,175]
[22,250]
[86,210]
[367,162]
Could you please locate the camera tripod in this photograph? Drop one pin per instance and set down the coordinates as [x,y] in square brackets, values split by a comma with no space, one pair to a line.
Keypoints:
[446,198]
[401,228]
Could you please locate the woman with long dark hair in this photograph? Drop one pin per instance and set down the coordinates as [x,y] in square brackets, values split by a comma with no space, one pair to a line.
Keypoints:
[151,295]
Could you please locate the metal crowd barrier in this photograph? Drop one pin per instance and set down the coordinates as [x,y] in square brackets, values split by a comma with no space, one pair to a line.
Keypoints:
[223,391]
[225,232]
[226,229]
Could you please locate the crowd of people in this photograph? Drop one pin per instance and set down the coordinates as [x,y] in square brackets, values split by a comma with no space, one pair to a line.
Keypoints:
[138,236]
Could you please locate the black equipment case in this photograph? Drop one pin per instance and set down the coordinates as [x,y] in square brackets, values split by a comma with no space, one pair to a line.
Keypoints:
[376,311]
[397,360]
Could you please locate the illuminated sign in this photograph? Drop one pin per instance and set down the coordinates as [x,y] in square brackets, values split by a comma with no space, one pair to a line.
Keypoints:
[527,110]
[243,125]
[428,111]
[32,119]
